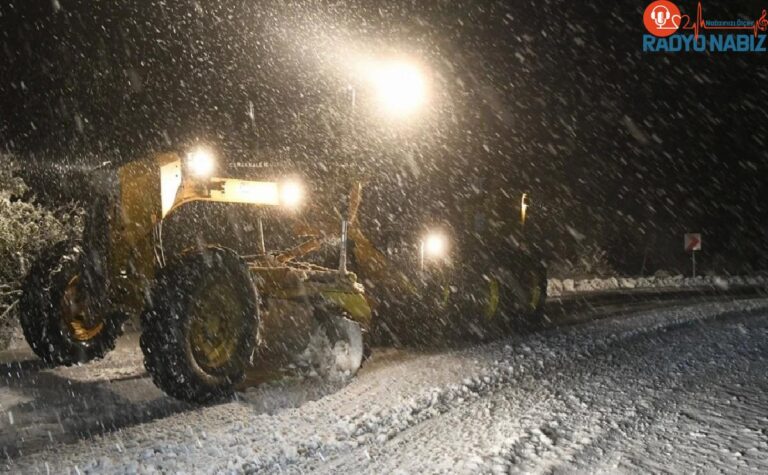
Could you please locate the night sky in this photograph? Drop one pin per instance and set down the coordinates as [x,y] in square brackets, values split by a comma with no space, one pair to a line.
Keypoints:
[618,147]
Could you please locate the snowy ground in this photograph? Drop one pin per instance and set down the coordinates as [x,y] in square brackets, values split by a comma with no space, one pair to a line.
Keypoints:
[678,389]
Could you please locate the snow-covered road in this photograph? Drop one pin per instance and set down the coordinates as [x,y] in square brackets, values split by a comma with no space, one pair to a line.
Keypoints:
[678,389]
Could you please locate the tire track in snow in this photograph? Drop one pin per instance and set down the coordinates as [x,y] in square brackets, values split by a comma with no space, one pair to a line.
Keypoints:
[529,441]
[375,428]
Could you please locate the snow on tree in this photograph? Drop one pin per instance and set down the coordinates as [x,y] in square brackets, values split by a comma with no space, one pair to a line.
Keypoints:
[26,228]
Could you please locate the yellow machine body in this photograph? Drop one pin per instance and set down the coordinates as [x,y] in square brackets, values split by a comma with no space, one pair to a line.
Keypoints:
[151,190]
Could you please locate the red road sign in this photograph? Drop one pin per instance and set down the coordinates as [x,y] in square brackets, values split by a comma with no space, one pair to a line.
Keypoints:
[692,242]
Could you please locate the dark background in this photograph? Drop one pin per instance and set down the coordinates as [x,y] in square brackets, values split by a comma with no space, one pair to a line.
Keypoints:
[621,150]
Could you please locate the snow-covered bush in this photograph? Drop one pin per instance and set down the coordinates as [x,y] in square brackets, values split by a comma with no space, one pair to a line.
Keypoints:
[26,228]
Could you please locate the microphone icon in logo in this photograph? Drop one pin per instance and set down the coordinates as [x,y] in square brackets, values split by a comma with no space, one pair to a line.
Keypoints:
[660,14]
[662,18]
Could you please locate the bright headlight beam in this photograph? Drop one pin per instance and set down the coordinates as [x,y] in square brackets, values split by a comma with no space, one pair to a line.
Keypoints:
[399,86]
[291,194]
[200,162]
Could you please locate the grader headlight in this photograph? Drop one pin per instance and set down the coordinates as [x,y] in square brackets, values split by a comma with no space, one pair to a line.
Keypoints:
[183,180]
[433,247]
[291,194]
[201,163]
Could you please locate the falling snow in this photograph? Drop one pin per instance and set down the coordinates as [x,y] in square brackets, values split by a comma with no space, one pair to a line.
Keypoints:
[526,174]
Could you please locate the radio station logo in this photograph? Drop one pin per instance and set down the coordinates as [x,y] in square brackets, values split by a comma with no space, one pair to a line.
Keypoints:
[662,18]
[670,30]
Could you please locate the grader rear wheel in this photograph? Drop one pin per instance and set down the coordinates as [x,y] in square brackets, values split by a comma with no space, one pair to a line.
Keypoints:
[76,315]
[198,333]
[215,325]
[57,312]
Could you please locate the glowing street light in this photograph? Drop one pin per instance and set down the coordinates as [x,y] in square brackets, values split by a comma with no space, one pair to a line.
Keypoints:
[400,86]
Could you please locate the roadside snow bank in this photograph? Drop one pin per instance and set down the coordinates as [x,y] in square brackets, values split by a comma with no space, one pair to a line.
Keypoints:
[559,287]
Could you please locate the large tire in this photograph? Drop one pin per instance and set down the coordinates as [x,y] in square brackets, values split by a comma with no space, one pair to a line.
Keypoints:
[509,295]
[199,328]
[59,316]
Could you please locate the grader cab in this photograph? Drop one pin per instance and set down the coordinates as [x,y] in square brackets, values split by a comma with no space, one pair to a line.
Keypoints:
[208,312]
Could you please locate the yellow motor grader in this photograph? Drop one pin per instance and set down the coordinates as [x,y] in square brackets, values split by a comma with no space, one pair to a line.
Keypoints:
[209,312]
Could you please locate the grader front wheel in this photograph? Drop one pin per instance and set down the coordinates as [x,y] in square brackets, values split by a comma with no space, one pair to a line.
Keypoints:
[509,297]
[521,292]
